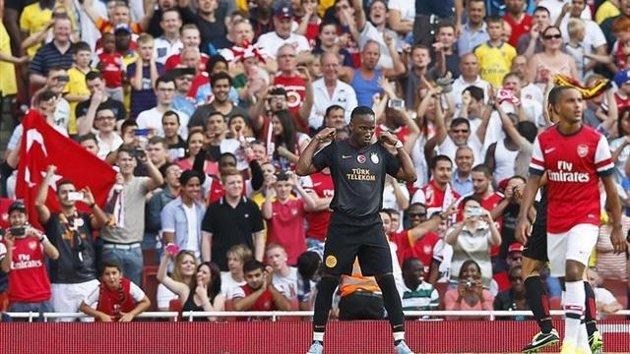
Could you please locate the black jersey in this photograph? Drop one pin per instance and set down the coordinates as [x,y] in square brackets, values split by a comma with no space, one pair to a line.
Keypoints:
[358,176]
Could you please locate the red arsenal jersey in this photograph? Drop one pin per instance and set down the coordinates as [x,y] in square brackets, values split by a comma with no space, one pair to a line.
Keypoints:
[433,197]
[111,66]
[518,28]
[174,60]
[296,92]
[322,185]
[574,164]
[263,303]
[489,204]
[286,228]
[28,279]
[421,249]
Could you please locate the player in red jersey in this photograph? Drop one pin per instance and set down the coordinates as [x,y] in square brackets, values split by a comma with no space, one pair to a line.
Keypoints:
[575,158]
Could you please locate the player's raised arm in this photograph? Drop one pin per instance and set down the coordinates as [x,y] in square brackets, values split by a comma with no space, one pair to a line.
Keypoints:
[406,172]
[305,165]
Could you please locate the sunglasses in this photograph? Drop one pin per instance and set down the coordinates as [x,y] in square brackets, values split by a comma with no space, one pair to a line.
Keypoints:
[460,130]
[553,36]
[413,215]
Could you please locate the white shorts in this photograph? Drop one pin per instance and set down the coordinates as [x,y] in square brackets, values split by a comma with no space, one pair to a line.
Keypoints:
[67,298]
[575,244]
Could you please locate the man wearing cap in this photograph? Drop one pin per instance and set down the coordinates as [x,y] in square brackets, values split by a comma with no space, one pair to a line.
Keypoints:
[622,96]
[73,274]
[181,218]
[169,43]
[270,42]
[23,258]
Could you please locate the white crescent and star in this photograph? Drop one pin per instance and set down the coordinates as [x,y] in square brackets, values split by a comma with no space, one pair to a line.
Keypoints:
[33,136]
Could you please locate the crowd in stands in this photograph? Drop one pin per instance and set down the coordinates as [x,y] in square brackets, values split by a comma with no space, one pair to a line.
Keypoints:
[203,107]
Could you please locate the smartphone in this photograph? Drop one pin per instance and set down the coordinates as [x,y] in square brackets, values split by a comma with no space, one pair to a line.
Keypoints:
[138,154]
[396,103]
[75,196]
[142,132]
[18,231]
[172,249]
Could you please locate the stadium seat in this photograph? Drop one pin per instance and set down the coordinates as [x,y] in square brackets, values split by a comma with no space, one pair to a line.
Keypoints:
[150,285]
[441,289]
[176,305]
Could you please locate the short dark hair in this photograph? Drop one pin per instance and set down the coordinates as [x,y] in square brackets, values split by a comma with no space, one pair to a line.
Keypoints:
[469,198]
[220,76]
[494,19]
[110,264]
[406,264]
[439,158]
[86,137]
[459,121]
[541,8]
[483,169]
[331,108]
[164,79]
[361,111]
[252,265]
[443,24]
[308,264]
[46,95]
[171,113]
[128,123]
[213,61]
[475,92]
[92,75]
[188,175]
[527,130]
[81,47]
[556,92]
[390,211]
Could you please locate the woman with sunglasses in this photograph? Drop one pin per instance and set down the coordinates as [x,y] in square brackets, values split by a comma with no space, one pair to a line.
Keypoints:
[201,293]
[183,272]
[552,60]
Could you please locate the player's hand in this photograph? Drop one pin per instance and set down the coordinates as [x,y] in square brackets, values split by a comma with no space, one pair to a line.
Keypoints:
[617,239]
[388,138]
[326,134]
[523,230]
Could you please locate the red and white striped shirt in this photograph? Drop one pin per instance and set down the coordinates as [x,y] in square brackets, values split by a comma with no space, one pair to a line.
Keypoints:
[574,164]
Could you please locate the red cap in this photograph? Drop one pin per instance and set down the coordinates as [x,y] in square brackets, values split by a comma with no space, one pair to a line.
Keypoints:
[515,247]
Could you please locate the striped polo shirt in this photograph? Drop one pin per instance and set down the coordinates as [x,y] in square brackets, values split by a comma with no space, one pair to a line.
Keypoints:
[49,56]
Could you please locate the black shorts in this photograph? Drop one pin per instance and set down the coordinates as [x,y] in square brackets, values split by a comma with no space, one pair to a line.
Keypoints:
[536,247]
[349,238]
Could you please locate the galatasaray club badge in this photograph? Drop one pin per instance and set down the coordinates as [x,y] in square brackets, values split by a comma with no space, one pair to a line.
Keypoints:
[331,261]
[374,158]
[361,158]
[582,150]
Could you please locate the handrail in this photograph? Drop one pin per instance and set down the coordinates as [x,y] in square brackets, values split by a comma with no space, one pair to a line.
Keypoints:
[190,315]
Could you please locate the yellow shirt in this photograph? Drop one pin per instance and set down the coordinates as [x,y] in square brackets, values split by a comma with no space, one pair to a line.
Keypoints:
[76,86]
[494,62]
[605,11]
[8,84]
[34,19]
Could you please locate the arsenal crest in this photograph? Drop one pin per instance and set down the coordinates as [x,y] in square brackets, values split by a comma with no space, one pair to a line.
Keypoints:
[582,150]
[361,158]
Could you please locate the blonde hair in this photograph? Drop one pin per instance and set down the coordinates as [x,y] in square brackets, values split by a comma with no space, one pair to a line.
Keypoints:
[145,38]
[575,27]
[242,252]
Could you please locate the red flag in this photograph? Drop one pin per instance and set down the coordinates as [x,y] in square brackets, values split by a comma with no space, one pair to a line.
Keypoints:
[42,146]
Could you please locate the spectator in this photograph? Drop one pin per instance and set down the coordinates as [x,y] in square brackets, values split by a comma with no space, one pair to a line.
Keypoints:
[169,43]
[620,147]
[143,76]
[445,56]
[110,64]
[157,150]
[261,17]
[551,61]
[184,267]
[495,56]
[76,90]
[329,90]
[460,132]
[328,42]
[514,298]
[29,285]
[462,177]
[605,301]
[169,192]
[122,237]
[230,221]
[531,43]
[181,218]
[191,38]
[417,295]
[474,32]
[194,144]
[516,17]
[438,195]
[529,90]
[209,20]
[85,116]
[401,16]
[375,29]
[260,293]
[281,34]
[171,126]
[183,78]
[470,294]
[557,10]
[201,293]
[117,299]
[152,118]
[285,215]
[237,256]
[288,142]
[469,68]
[507,210]
[36,18]
[221,83]
[119,14]
[418,60]
[284,276]
[482,187]
[56,81]
[89,143]
[73,273]
[106,135]
[308,268]
[472,239]
[56,53]
[320,187]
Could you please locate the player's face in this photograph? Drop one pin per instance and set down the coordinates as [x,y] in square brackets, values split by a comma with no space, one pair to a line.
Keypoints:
[413,273]
[387,222]
[276,258]
[443,172]
[254,279]
[362,129]
[480,182]
[570,106]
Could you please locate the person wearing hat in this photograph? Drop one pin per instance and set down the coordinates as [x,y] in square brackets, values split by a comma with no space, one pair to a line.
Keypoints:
[188,206]
[270,42]
[25,249]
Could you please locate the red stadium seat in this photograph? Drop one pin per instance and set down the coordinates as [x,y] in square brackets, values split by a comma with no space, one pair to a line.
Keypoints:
[619,289]
[176,305]
[150,285]
[555,303]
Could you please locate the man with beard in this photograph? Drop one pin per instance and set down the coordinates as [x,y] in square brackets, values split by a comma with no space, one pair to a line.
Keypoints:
[438,195]
[209,20]
[259,294]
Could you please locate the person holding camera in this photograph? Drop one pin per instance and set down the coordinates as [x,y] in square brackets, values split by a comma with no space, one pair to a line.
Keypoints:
[24,261]
[470,294]
[123,235]
[473,238]
[73,274]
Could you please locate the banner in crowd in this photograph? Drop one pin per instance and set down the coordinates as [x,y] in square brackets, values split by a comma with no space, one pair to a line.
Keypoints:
[41,146]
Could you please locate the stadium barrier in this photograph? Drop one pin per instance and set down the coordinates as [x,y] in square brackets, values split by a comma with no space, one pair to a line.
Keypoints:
[284,336]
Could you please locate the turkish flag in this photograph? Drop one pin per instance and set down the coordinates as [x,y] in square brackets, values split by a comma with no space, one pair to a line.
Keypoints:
[42,146]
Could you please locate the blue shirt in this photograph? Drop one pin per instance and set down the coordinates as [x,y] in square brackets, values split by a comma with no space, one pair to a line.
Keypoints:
[183,104]
[462,187]
[469,39]
[174,220]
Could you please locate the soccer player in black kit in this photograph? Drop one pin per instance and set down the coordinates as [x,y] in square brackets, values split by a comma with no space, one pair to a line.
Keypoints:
[358,167]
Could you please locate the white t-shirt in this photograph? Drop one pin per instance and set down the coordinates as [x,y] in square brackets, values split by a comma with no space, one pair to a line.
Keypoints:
[164,49]
[164,297]
[449,148]
[287,285]
[192,243]
[406,8]
[555,8]
[136,293]
[270,42]
[343,96]
[228,284]
[152,118]
[104,148]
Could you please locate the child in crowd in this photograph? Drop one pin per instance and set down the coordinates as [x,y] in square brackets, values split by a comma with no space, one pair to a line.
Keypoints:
[495,56]
[112,67]
[76,89]
[142,76]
